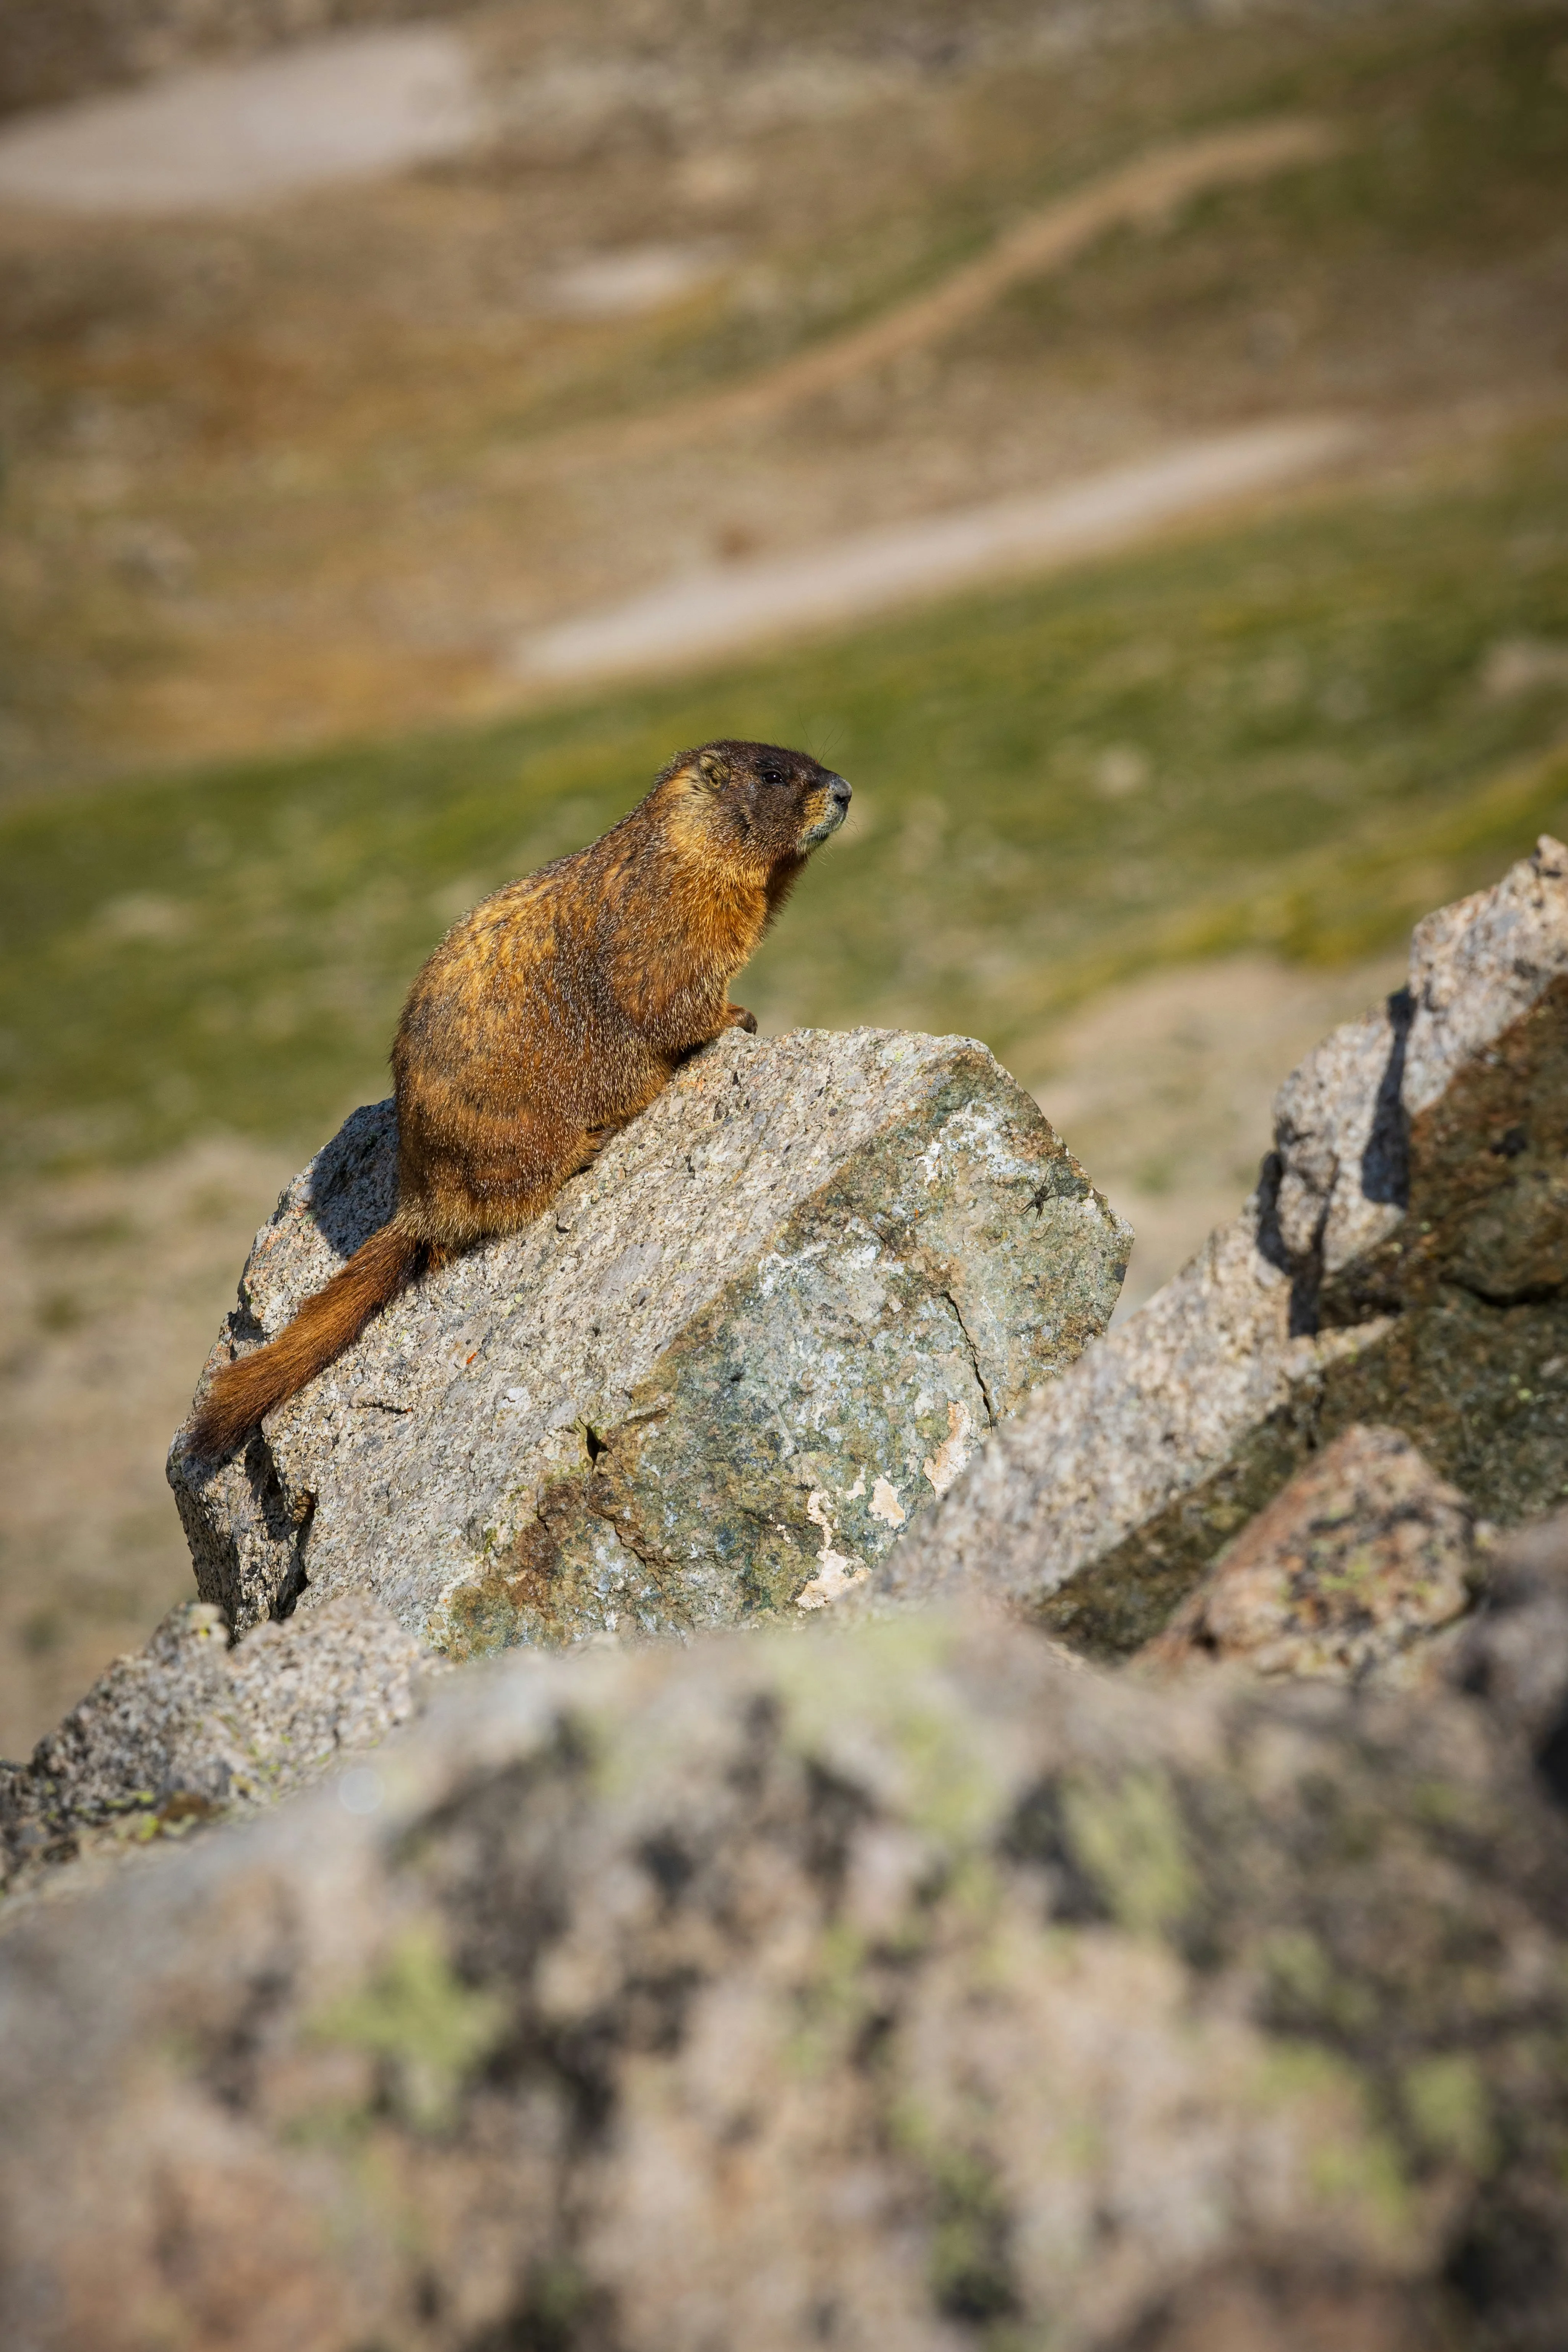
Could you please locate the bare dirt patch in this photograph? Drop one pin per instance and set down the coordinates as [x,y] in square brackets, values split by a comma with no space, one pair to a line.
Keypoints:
[349,106]
[112,1289]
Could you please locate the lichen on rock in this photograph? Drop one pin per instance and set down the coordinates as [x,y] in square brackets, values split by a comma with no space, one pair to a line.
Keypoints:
[901,1980]
[1357,1563]
[683,1995]
[711,1384]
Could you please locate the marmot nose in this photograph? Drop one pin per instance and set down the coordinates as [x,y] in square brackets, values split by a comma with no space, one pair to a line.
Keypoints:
[840,791]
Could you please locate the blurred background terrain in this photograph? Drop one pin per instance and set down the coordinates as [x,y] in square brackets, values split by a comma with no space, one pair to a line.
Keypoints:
[417,423]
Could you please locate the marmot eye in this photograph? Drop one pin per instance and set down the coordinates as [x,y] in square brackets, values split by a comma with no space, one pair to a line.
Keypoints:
[772,775]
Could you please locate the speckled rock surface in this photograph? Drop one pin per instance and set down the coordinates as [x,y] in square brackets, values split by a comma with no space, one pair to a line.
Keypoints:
[1357,1561]
[883,1986]
[1404,1261]
[1514,1653]
[180,1731]
[712,1382]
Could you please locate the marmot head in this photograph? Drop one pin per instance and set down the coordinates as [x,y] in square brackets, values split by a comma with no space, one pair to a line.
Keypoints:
[771,806]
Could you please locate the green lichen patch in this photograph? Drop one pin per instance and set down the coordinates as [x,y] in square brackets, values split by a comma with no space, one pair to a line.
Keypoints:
[1129,1838]
[947,1786]
[1446,2103]
[430,2031]
[824,1398]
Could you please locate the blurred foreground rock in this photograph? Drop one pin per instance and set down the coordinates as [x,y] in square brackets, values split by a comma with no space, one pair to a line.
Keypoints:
[885,1988]
[1359,1560]
[1404,1261]
[187,1728]
[714,1380]
[1515,1655]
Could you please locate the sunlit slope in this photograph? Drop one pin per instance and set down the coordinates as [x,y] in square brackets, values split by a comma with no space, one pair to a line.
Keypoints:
[324,469]
[1297,735]
[1415,191]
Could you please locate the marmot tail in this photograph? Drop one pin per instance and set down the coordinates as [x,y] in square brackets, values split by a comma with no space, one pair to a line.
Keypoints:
[326,1324]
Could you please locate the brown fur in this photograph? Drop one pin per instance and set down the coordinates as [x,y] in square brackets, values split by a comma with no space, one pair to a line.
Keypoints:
[548,1018]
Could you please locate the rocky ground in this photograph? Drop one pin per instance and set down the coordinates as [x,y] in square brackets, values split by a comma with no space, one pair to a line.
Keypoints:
[825,1328]
[1402,1259]
[882,1974]
[877,1972]
[903,1988]
[1164,1086]
[707,289]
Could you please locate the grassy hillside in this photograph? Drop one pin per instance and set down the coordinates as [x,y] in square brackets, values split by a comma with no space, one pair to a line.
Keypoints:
[298,476]
[1298,734]
[1357,268]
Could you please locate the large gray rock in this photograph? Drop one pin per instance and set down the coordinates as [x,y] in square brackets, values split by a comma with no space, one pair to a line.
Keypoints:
[886,1987]
[189,1728]
[714,1381]
[1404,1261]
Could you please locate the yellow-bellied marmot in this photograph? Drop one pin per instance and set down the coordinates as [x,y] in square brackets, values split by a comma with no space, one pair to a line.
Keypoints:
[547,1019]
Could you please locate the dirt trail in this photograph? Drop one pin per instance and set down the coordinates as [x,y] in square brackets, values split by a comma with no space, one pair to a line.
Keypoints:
[724,608]
[1136,193]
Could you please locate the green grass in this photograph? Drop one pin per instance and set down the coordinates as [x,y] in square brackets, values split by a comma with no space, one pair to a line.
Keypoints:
[1277,735]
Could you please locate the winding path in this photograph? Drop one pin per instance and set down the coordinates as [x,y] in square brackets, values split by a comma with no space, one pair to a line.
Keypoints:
[1140,192]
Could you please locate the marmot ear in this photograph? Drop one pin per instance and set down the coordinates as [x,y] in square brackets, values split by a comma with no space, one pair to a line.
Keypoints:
[711,768]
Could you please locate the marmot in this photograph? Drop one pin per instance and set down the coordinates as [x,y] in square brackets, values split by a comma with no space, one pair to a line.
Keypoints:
[548,1018]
